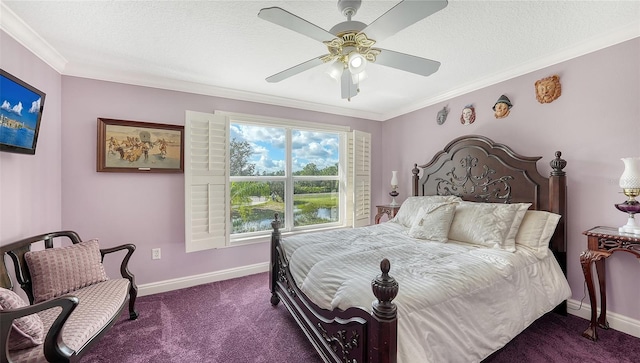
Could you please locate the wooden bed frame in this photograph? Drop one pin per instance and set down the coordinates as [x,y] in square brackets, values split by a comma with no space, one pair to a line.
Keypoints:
[472,167]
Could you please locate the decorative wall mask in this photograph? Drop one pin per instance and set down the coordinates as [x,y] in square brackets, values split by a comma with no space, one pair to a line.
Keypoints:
[442,115]
[502,107]
[548,89]
[468,115]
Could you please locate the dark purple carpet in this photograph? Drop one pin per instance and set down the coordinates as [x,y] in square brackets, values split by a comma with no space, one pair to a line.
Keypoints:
[233,321]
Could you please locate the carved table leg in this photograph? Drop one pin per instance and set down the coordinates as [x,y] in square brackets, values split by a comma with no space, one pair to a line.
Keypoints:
[586,260]
[381,213]
[378,216]
[601,271]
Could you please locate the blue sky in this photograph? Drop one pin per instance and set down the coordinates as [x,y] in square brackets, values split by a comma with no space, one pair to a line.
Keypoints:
[19,103]
[268,143]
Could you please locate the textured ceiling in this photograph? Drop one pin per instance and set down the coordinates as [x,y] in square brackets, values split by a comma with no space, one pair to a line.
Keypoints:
[222,48]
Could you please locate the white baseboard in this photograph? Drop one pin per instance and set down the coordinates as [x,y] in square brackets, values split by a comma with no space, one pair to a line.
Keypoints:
[189,281]
[616,321]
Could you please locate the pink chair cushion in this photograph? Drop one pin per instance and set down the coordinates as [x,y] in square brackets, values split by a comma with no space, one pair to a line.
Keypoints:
[58,271]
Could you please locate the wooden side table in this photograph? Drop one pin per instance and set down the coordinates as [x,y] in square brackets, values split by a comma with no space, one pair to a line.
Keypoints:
[389,210]
[602,243]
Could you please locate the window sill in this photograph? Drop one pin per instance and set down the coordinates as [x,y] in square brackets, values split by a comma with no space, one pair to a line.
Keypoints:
[267,238]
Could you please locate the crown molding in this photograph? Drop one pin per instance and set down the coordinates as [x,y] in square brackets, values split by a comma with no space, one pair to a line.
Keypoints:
[139,79]
[23,34]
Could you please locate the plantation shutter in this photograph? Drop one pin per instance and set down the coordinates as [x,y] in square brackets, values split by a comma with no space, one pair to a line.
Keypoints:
[361,163]
[349,200]
[206,180]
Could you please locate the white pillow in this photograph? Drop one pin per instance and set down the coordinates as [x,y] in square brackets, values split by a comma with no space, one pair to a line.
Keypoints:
[493,225]
[433,221]
[536,230]
[410,207]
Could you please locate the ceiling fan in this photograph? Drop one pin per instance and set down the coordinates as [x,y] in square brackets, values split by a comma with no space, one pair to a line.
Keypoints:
[350,43]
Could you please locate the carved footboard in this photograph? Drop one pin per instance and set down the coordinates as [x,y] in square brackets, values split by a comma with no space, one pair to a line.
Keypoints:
[350,336]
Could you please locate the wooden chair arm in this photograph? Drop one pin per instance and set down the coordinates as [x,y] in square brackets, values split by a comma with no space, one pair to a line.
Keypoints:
[124,271]
[124,266]
[54,348]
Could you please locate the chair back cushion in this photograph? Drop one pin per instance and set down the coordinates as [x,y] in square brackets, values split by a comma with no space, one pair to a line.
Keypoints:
[58,271]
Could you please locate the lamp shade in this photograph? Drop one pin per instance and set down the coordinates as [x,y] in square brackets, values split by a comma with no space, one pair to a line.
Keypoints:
[630,178]
[335,70]
[357,63]
[394,178]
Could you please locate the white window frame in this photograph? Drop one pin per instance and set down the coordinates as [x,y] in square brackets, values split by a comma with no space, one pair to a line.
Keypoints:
[208,227]
[289,179]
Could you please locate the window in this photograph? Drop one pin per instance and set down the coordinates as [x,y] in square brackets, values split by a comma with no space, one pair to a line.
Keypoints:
[312,175]
[283,170]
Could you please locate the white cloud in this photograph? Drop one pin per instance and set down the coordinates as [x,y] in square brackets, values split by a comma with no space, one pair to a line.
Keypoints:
[17,109]
[269,165]
[35,106]
[253,134]
[314,147]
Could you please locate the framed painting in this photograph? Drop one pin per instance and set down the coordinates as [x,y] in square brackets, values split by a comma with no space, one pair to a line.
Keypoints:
[139,147]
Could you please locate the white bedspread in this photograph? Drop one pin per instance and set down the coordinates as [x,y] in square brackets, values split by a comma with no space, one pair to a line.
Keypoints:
[457,302]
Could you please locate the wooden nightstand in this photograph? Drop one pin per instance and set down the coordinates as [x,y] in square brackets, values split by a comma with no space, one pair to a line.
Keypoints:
[602,243]
[389,210]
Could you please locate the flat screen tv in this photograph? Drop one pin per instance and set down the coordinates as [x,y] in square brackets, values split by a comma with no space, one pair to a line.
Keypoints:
[21,108]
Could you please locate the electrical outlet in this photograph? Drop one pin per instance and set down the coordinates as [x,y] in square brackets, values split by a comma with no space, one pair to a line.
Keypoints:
[155,253]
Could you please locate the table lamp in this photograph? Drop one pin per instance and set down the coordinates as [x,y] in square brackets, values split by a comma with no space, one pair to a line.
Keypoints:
[394,186]
[630,184]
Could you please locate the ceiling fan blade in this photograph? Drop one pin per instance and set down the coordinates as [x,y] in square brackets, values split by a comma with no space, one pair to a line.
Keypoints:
[401,16]
[348,88]
[407,62]
[285,19]
[295,70]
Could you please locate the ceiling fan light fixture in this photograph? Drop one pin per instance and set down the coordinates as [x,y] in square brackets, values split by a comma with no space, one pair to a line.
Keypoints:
[357,63]
[335,70]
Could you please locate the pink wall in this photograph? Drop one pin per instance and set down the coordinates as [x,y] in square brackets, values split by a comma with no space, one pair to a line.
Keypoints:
[594,123]
[148,209]
[30,200]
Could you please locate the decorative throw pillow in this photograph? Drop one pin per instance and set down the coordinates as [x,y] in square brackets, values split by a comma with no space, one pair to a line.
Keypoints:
[27,331]
[493,225]
[410,207]
[57,271]
[536,230]
[433,221]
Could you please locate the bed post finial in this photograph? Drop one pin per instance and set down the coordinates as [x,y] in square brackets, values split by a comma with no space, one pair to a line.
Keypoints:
[385,288]
[275,224]
[558,164]
[558,205]
[415,171]
[385,314]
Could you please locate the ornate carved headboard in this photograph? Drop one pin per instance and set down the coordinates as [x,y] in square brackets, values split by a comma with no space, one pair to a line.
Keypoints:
[477,169]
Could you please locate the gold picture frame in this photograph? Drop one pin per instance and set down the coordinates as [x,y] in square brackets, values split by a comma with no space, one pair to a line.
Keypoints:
[139,147]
